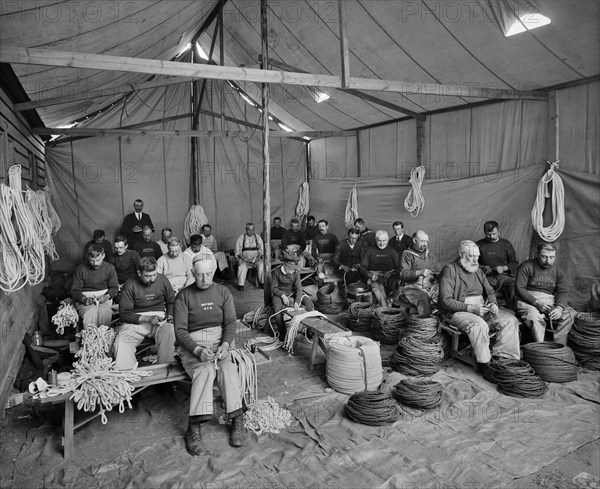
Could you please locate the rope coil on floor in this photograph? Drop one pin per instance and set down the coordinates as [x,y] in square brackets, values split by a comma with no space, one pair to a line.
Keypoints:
[417,357]
[517,378]
[552,232]
[353,364]
[258,318]
[387,323]
[422,328]
[420,394]
[360,316]
[329,299]
[551,361]
[415,201]
[372,408]
[584,339]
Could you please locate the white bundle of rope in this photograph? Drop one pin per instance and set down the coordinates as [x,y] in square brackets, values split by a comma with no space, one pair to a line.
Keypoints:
[66,316]
[303,203]
[552,232]
[36,201]
[415,201]
[353,364]
[13,269]
[267,417]
[351,207]
[296,327]
[195,219]
[52,214]
[246,365]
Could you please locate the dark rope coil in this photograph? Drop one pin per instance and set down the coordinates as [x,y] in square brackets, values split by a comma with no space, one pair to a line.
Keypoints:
[420,394]
[360,316]
[372,408]
[551,361]
[422,328]
[386,324]
[516,378]
[329,300]
[417,357]
[584,339]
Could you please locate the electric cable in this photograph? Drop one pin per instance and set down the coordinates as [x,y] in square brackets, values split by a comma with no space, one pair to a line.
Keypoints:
[372,408]
[420,394]
[552,362]
[517,378]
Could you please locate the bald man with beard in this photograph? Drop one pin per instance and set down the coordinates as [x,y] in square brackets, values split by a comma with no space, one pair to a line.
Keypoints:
[467,301]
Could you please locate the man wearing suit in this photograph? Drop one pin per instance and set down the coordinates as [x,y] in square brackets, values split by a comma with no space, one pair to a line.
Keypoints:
[400,241]
[134,222]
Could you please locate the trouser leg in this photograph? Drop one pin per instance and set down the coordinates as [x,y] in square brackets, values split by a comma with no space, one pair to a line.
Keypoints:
[242,272]
[105,313]
[533,319]
[165,341]
[128,338]
[277,307]
[507,336]
[419,300]
[260,271]
[563,325]
[203,376]
[478,332]
[229,386]
[379,292]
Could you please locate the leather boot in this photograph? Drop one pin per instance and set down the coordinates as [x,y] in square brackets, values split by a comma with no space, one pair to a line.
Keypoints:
[238,432]
[486,372]
[193,439]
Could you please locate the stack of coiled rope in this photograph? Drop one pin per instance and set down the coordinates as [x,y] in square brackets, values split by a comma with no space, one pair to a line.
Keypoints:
[584,339]
[360,316]
[329,300]
[372,408]
[387,323]
[353,364]
[420,350]
[421,394]
[551,361]
[516,378]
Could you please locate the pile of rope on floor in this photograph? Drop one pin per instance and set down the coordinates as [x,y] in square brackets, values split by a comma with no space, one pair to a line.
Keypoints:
[353,364]
[329,299]
[420,350]
[517,378]
[360,316]
[387,323]
[372,408]
[420,394]
[584,339]
[552,362]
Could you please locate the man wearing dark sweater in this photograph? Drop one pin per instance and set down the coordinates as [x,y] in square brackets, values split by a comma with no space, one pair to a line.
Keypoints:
[125,260]
[134,222]
[379,267]
[323,248]
[542,293]
[146,247]
[499,262]
[467,301]
[347,256]
[99,239]
[294,240]
[311,228]
[94,286]
[205,323]
[277,231]
[146,310]
[367,236]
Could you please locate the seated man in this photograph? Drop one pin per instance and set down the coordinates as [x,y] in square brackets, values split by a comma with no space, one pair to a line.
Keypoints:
[94,285]
[286,288]
[249,252]
[146,247]
[134,222]
[125,260]
[499,262]
[146,310]
[400,241]
[542,291]
[347,256]
[366,235]
[99,239]
[323,248]
[176,266]
[165,235]
[379,268]
[419,270]
[311,229]
[276,235]
[205,323]
[294,241]
[196,248]
[209,241]
[467,301]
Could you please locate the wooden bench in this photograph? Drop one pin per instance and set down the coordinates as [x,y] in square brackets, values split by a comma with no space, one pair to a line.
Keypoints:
[161,373]
[463,354]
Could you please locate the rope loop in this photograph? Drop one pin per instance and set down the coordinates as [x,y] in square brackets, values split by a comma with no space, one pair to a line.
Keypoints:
[550,233]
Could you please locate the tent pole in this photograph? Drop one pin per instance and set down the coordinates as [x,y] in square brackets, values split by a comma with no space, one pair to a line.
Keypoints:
[266,159]
[194,142]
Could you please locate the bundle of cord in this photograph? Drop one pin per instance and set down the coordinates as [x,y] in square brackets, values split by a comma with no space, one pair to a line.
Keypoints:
[295,326]
[53,216]
[13,272]
[246,365]
[353,364]
[259,318]
[584,339]
[420,394]
[265,416]
[195,219]
[517,378]
[36,200]
[415,201]
[372,408]
[65,316]
[386,324]
[551,361]
[417,357]
[360,316]
[422,328]
[329,299]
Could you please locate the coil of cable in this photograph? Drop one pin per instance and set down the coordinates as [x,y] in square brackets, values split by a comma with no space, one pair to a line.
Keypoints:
[517,378]
[551,361]
[387,323]
[329,300]
[353,364]
[421,394]
[360,316]
[417,357]
[584,339]
[372,408]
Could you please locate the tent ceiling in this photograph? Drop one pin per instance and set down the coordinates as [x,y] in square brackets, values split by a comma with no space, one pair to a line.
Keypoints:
[450,43]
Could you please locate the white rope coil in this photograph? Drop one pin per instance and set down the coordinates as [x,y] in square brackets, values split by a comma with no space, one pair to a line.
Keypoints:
[415,201]
[351,207]
[303,203]
[246,365]
[353,364]
[195,219]
[13,268]
[552,232]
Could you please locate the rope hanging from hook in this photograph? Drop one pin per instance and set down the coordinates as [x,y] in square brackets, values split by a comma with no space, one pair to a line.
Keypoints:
[552,232]
[415,201]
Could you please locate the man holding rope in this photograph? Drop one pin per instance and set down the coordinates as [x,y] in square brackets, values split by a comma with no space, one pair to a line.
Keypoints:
[347,256]
[205,322]
[379,268]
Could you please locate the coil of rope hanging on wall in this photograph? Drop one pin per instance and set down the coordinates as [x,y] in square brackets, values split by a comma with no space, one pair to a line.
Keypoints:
[552,232]
[516,378]
[415,201]
[303,203]
[387,323]
[195,219]
[353,364]
[552,362]
[372,408]
[360,316]
[329,299]
[584,339]
[13,272]
[420,394]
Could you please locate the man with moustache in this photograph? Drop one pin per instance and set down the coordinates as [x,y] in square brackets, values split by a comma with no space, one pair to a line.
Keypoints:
[176,266]
[347,256]
[323,248]
[379,267]
[542,292]
[294,241]
[467,301]
[249,251]
[146,247]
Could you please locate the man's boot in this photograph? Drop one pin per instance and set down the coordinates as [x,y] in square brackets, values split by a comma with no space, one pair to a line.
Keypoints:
[486,372]
[193,439]
[238,432]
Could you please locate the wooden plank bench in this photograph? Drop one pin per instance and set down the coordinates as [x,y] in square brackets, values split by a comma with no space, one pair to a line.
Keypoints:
[161,373]
[463,354]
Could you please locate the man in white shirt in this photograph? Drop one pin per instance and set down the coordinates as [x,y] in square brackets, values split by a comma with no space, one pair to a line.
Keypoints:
[209,241]
[176,266]
[165,235]
[197,248]
[249,251]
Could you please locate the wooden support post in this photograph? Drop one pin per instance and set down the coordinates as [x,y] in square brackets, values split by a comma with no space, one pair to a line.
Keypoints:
[553,128]
[420,142]
[344,51]
[266,159]
[69,428]
[222,63]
